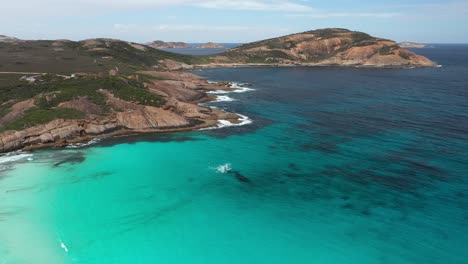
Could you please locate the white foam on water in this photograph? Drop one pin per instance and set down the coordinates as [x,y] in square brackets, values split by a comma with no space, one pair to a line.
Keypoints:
[62,245]
[225,168]
[80,145]
[240,88]
[244,120]
[218,92]
[243,90]
[439,66]
[14,156]
[224,98]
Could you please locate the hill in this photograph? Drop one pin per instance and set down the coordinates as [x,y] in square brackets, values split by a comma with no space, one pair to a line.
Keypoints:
[92,55]
[335,46]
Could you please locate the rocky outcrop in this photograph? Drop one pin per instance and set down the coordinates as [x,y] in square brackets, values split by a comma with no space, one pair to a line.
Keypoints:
[180,90]
[16,111]
[173,65]
[181,76]
[151,118]
[82,104]
[57,131]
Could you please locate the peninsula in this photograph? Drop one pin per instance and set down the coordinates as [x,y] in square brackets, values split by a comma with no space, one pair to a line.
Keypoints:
[57,92]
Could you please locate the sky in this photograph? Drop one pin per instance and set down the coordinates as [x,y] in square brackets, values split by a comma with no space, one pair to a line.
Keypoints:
[232,21]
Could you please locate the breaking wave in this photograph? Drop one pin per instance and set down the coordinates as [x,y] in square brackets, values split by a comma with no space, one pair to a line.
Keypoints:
[80,145]
[15,156]
[224,98]
[243,120]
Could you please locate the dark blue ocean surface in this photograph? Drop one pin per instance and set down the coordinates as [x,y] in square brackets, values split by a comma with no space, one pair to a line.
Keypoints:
[340,165]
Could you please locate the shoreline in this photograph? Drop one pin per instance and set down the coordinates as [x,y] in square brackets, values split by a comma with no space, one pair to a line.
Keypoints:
[204,118]
[292,65]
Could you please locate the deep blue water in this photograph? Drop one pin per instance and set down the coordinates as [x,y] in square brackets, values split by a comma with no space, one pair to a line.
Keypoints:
[340,165]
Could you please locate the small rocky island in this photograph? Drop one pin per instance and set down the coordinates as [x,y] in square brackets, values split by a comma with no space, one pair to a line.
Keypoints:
[412,45]
[57,92]
[158,44]
[210,45]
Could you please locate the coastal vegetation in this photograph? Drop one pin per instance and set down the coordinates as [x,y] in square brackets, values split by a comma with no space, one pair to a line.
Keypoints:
[49,91]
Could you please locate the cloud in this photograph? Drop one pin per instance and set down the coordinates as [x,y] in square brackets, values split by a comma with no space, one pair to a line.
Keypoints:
[348,15]
[188,27]
[195,32]
[254,5]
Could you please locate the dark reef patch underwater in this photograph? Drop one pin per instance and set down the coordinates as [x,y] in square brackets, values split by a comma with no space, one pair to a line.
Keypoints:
[340,165]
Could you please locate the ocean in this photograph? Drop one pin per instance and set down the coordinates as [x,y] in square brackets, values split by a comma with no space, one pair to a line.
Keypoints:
[336,165]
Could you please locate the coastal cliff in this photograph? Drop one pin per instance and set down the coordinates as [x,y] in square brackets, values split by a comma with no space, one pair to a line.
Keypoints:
[323,47]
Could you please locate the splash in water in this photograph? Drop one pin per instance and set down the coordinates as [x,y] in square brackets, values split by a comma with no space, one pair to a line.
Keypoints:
[226,168]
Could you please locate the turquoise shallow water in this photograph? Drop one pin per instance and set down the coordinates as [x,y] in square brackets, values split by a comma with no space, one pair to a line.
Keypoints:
[339,166]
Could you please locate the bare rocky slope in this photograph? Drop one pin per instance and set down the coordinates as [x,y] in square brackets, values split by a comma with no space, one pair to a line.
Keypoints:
[338,47]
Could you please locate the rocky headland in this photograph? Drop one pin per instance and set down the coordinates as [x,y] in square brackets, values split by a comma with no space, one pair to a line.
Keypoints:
[180,110]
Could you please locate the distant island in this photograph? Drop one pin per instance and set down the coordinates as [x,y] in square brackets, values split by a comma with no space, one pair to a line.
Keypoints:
[210,45]
[57,92]
[412,45]
[158,44]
